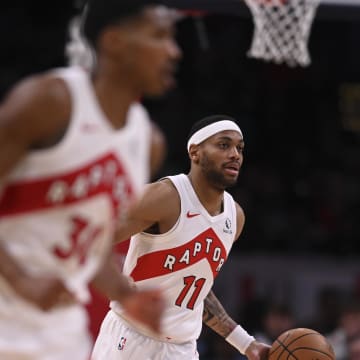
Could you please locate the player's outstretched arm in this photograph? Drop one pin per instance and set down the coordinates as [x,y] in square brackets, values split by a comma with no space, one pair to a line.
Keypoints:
[145,306]
[34,114]
[217,319]
[159,204]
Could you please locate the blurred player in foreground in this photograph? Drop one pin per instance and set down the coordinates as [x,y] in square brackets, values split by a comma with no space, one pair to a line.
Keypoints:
[74,152]
[80,53]
[185,226]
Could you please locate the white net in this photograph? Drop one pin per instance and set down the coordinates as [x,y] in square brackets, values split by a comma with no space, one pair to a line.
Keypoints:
[282,29]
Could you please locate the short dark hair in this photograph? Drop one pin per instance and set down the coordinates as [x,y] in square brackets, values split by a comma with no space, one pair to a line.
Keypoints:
[100,13]
[207,121]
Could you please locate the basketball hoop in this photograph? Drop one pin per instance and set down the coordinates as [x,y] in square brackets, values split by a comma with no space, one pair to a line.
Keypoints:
[281,30]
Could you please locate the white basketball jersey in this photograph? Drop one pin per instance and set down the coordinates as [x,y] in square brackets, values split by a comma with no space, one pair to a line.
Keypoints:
[59,205]
[183,262]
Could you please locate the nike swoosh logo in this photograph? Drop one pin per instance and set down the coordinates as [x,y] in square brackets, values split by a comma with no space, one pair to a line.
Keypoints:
[190,215]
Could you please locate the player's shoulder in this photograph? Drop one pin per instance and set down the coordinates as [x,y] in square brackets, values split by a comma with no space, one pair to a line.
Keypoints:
[162,189]
[240,219]
[239,210]
[160,196]
[38,102]
[41,86]
[41,93]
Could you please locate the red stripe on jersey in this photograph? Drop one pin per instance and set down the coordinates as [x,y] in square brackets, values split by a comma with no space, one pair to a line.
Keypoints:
[206,245]
[103,175]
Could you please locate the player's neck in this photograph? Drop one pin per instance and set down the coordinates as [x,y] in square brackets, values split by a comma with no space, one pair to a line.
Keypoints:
[210,197]
[114,99]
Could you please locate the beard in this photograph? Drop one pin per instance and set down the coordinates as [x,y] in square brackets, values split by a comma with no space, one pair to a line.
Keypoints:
[215,176]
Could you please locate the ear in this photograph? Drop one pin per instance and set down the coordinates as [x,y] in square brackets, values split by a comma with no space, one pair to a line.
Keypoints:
[112,40]
[194,153]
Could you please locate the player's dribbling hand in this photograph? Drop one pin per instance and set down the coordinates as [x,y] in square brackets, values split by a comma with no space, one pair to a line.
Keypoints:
[44,292]
[257,351]
[146,307]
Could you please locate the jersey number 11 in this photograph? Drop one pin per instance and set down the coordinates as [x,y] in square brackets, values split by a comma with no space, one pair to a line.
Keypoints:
[190,284]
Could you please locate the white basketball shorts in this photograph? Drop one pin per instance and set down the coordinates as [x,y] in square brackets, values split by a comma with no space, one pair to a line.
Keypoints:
[117,341]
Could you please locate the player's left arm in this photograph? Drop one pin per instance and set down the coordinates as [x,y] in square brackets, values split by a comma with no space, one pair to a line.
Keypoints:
[215,316]
[159,203]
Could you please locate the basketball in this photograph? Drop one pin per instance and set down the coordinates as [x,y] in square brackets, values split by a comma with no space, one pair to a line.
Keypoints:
[301,344]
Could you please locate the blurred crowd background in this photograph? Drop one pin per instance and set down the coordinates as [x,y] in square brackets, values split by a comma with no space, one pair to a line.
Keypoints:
[300,182]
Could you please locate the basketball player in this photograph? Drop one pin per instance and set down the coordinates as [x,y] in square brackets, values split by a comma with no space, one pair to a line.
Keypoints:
[184,227]
[80,53]
[74,152]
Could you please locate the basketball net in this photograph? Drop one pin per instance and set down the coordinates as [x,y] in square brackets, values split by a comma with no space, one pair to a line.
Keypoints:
[281,30]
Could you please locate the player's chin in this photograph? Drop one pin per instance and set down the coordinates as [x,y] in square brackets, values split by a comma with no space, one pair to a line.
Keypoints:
[162,86]
[230,181]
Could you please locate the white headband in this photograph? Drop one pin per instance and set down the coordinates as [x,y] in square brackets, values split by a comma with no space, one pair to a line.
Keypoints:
[212,129]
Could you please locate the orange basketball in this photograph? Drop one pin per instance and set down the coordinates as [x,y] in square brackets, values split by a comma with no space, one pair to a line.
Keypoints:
[301,344]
